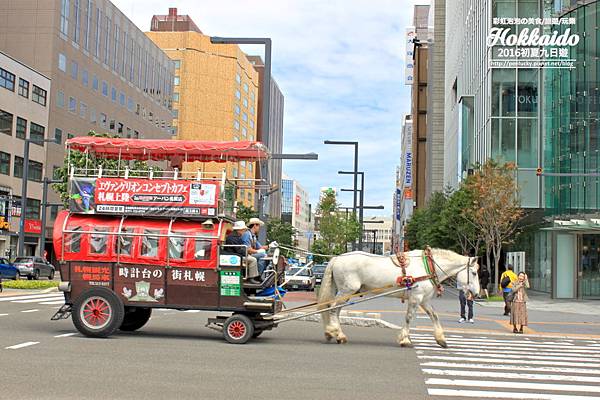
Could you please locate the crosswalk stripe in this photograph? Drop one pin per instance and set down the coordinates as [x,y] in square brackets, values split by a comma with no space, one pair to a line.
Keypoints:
[507,360]
[511,375]
[516,344]
[503,348]
[508,340]
[495,354]
[40,299]
[505,395]
[505,367]
[32,296]
[513,385]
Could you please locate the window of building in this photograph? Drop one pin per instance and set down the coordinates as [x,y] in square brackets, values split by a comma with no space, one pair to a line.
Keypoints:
[245,102]
[120,128]
[244,131]
[103,119]
[238,95]
[130,104]
[252,95]
[58,135]
[113,94]
[72,104]
[116,48]
[34,173]
[82,109]
[77,17]
[202,249]
[87,21]
[176,97]
[106,42]
[53,213]
[503,92]
[18,168]
[503,139]
[122,99]
[176,81]
[245,86]
[6,121]
[95,83]
[251,123]
[149,246]
[32,210]
[251,110]
[104,88]
[60,99]
[238,78]
[4,163]
[236,124]
[62,62]
[111,125]
[177,64]
[236,109]
[74,69]
[23,88]
[97,35]
[65,8]
[21,128]
[175,113]
[37,133]
[84,77]
[38,95]
[245,117]
[92,115]
[7,80]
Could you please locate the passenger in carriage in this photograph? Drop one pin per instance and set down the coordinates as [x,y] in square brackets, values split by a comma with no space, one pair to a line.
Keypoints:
[235,239]
[255,249]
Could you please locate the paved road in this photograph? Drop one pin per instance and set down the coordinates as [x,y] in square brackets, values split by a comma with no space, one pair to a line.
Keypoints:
[175,356]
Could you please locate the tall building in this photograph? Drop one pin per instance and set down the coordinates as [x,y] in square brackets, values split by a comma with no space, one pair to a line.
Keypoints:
[534,103]
[275,140]
[434,169]
[420,47]
[403,196]
[107,76]
[24,111]
[215,94]
[377,236]
[297,210]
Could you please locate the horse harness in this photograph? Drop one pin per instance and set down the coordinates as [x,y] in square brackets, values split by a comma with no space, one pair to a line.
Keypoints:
[428,262]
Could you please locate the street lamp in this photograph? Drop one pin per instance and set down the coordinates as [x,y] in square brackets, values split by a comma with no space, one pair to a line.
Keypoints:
[355,144]
[266,107]
[362,199]
[24,180]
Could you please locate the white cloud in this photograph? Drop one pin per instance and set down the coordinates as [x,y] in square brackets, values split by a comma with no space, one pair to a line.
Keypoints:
[340,67]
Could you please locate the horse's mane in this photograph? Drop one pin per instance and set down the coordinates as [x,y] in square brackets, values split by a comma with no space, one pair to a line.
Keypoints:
[446,253]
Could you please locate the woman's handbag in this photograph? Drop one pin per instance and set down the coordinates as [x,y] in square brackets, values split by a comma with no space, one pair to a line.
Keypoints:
[510,297]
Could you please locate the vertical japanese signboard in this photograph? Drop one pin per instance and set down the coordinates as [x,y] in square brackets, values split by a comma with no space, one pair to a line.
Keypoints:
[409,62]
[230,283]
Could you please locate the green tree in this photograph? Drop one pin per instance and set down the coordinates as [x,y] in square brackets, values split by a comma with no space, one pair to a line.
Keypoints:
[280,231]
[82,161]
[457,218]
[336,228]
[244,213]
[426,226]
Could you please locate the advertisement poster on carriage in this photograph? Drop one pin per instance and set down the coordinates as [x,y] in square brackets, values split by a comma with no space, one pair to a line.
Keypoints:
[143,197]
[140,284]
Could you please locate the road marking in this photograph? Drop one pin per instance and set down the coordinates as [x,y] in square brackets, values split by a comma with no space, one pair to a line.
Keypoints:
[33,296]
[505,395]
[66,334]
[508,343]
[54,302]
[575,352]
[508,360]
[524,368]
[541,355]
[28,311]
[47,298]
[3,315]
[511,375]
[192,311]
[20,346]
[512,384]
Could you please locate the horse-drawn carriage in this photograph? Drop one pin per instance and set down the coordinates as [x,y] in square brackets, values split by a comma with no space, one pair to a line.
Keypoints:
[133,241]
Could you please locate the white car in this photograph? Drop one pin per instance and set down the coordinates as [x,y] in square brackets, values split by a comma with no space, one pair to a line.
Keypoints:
[299,278]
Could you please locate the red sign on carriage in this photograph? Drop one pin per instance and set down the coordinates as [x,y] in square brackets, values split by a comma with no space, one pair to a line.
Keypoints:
[143,197]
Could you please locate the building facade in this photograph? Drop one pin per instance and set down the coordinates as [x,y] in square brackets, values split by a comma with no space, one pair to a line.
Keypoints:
[215,93]
[377,236]
[403,196]
[107,76]
[297,210]
[537,107]
[275,140]
[24,112]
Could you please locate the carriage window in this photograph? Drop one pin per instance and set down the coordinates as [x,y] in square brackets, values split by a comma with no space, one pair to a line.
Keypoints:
[98,241]
[149,244]
[176,244]
[202,250]
[124,242]
[73,240]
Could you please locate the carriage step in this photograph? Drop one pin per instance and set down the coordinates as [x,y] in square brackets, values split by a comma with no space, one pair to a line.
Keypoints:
[63,313]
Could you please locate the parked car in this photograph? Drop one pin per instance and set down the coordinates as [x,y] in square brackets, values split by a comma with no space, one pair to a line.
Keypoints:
[34,267]
[300,278]
[318,271]
[8,270]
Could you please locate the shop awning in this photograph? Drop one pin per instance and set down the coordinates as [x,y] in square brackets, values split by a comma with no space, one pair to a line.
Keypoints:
[159,150]
[575,226]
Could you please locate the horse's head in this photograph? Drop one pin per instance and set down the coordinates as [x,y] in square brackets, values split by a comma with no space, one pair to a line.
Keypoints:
[468,277]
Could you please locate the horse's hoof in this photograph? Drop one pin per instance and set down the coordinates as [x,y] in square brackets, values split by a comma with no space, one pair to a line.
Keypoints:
[328,336]
[442,343]
[342,341]
[405,343]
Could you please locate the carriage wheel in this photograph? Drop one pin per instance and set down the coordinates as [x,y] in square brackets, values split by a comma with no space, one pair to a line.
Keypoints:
[98,312]
[135,318]
[238,329]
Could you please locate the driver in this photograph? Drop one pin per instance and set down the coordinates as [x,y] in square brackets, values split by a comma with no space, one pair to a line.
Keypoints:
[255,249]
[235,239]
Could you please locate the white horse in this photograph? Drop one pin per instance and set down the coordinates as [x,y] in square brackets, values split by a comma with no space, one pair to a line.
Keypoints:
[358,272]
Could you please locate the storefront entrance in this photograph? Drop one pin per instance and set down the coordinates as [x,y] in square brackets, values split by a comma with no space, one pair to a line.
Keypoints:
[589,266]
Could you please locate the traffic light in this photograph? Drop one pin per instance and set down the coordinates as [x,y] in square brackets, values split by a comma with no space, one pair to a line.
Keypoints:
[539,171]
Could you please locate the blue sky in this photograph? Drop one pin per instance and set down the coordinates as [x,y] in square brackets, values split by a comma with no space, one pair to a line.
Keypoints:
[340,66]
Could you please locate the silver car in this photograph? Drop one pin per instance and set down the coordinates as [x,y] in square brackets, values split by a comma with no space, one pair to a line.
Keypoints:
[34,267]
[300,278]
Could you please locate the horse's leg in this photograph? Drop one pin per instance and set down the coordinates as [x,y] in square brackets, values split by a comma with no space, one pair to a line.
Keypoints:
[404,336]
[438,331]
[352,286]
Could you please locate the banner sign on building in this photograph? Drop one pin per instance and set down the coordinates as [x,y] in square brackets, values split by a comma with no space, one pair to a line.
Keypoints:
[409,62]
[143,197]
[408,133]
[532,43]
[33,226]
[398,204]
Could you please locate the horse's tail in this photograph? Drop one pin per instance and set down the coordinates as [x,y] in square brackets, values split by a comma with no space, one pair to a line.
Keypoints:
[327,291]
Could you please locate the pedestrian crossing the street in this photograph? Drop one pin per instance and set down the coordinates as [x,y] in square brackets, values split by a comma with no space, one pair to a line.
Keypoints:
[501,367]
[44,299]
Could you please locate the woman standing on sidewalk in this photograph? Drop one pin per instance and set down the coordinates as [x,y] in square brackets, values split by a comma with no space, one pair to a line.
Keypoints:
[518,314]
